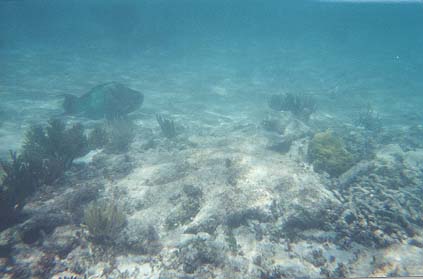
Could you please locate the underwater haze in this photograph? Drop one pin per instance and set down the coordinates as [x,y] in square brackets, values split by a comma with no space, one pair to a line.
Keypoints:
[211,139]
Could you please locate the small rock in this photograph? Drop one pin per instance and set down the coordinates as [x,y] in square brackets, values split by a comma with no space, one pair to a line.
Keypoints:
[140,238]
[61,241]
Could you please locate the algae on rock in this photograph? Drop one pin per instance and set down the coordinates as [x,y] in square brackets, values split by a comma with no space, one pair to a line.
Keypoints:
[327,153]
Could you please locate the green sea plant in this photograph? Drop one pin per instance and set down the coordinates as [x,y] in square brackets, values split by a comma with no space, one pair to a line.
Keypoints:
[166,125]
[327,153]
[120,134]
[104,220]
[46,154]
[54,148]
[98,137]
[300,105]
[18,182]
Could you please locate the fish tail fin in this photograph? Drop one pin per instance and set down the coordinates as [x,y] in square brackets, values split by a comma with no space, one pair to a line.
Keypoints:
[69,103]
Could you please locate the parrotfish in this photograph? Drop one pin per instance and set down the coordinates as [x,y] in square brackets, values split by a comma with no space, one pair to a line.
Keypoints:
[108,100]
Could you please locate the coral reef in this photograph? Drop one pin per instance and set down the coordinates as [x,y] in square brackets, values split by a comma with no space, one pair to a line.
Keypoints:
[140,238]
[197,252]
[259,220]
[301,106]
[218,203]
[188,205]
[385,207]
[327,153]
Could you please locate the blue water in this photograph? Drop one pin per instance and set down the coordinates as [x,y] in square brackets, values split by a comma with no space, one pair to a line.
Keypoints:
[224,57]
[303,45]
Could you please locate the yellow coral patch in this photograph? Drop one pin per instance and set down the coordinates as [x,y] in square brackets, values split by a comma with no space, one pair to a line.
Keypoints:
[327,153]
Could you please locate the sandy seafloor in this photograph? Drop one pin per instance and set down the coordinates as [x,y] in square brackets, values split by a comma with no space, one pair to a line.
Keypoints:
[262,214]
